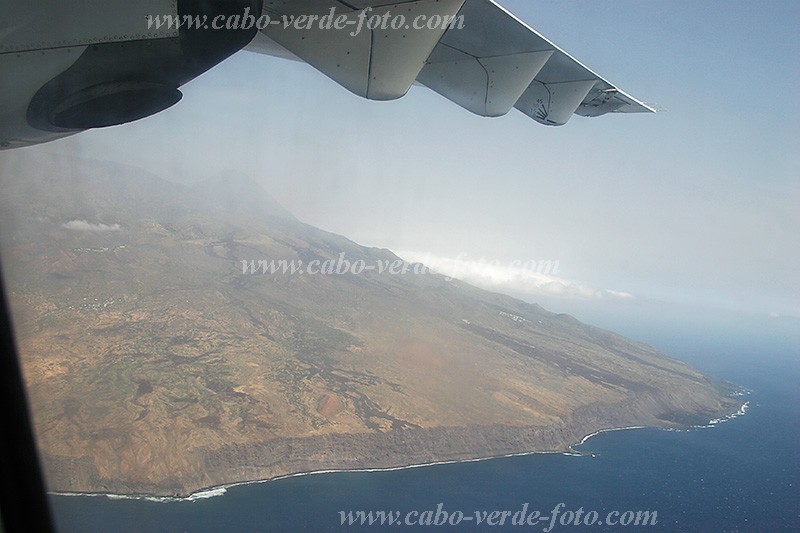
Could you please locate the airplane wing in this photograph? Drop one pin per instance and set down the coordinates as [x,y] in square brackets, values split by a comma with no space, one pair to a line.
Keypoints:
[481,57]
[69,65]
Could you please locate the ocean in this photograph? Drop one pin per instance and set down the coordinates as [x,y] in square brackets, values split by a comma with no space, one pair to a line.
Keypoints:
[740,475]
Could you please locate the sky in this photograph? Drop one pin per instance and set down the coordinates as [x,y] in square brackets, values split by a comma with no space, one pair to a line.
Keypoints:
[694,207]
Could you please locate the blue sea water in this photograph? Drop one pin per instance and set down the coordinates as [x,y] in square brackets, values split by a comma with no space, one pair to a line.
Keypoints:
[742,475]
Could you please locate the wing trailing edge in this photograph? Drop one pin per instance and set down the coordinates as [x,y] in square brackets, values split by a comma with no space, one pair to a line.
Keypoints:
[486,60]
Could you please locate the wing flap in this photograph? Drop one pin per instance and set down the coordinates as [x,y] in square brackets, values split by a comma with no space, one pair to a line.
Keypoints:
[486,86]
[380,63]
[552,104]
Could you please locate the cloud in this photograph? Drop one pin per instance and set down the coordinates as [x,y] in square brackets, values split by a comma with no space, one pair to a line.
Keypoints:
[531,277]
[82,225]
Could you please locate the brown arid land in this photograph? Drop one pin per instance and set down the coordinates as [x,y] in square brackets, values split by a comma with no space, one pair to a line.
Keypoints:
[156,366]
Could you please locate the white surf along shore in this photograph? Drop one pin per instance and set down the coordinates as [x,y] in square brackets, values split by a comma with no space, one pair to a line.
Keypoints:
[222,489]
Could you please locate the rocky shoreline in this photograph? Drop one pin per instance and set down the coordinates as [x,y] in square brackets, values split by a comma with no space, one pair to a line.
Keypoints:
[401,448]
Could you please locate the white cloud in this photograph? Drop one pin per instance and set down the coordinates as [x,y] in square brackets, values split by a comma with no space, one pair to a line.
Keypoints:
[82,225]
[531,277]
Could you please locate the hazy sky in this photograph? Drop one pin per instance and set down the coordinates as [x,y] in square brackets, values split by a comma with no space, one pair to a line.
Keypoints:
[696,205]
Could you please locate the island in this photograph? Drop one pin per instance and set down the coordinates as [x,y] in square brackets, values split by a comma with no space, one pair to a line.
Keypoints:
[164,355]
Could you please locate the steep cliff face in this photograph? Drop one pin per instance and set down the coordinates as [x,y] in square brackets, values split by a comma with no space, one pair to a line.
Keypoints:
[159,362]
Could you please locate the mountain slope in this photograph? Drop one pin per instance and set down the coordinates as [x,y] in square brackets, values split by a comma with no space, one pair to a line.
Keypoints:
[156,364]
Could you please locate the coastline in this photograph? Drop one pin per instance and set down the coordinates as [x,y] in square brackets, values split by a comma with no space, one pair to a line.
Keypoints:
[570,451]
[219,490]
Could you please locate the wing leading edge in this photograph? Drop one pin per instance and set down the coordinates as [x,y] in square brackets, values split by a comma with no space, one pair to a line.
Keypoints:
[486,60]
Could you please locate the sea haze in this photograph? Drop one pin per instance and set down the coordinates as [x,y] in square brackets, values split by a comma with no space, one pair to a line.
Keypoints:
[741,475]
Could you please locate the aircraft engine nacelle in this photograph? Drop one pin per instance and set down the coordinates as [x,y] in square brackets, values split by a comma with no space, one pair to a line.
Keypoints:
[71,65]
